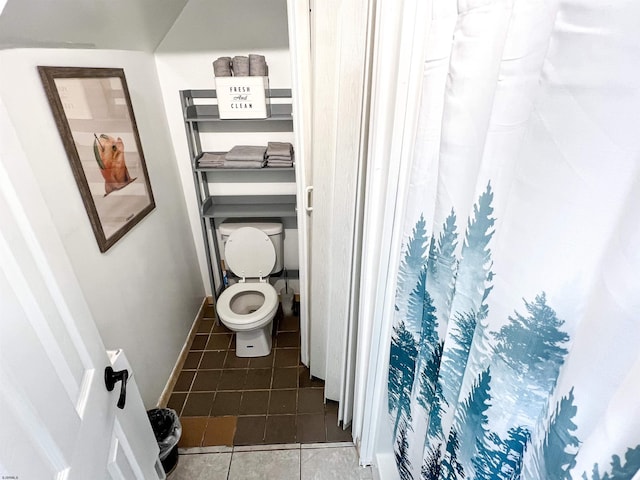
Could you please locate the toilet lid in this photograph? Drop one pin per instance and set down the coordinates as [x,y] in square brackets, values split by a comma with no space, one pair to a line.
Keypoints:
[249,253]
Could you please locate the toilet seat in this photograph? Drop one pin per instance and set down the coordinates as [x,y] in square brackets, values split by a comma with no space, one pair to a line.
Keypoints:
[249,321]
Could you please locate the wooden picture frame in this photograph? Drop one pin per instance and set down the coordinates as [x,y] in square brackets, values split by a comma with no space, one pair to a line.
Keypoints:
[92,110]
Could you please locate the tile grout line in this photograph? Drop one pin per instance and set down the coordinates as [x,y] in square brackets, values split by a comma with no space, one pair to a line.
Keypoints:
[266,417]
[278,348]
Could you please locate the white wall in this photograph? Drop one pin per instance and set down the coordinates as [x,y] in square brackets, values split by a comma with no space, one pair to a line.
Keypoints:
[145,291]
[121,24]
[204,31]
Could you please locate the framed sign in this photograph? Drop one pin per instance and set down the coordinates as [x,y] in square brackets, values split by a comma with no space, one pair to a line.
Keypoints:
[242,97]
[93,113]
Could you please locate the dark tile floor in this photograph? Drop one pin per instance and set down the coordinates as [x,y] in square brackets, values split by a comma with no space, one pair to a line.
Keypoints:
[226,400]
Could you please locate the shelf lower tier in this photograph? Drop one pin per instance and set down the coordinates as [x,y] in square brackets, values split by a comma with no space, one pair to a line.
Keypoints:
[232,206]
[290,274]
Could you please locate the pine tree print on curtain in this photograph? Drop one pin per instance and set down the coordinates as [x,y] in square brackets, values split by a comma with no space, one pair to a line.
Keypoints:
[427,400]
[422,365]
[401,374]
[619,471]
[420,315]
[527,358]
[411,266]
[468,308]
[403,347]
[465,330]
[443,269]
[484,429]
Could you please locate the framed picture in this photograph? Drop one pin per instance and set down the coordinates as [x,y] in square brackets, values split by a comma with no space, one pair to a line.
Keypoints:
[93,112]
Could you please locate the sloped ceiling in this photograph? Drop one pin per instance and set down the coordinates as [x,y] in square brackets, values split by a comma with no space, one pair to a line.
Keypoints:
[101,24]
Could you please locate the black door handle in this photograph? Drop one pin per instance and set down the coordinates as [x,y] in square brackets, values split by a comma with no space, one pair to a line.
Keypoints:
[110,379]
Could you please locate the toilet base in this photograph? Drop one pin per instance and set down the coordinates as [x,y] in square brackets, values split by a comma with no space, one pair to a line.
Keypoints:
[254,343]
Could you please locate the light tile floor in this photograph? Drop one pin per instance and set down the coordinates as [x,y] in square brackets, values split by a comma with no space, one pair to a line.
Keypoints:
[325,461]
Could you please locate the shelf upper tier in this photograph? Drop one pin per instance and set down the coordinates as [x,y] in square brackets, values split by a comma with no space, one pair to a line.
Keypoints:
[207,112]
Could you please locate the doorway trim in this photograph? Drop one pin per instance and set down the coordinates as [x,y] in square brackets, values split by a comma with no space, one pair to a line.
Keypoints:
[398,64]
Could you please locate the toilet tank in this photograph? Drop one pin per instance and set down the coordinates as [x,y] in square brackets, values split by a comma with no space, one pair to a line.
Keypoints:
[273,230]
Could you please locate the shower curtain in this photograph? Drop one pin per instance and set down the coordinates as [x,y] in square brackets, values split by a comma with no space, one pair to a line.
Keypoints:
[515,347]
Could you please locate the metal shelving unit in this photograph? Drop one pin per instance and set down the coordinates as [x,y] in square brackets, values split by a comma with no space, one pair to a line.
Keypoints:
[200,112]
[234,206]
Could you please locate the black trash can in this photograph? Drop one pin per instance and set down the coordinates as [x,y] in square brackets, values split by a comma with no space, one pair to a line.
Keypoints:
[167,429]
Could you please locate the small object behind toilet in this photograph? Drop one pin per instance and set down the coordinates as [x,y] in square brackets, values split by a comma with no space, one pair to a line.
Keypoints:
[286,298]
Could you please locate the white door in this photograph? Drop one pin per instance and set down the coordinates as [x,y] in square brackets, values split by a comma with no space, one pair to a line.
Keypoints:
[58,421]
[340,65]
[300,47]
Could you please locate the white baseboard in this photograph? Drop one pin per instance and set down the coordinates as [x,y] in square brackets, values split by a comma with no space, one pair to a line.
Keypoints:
[385,468]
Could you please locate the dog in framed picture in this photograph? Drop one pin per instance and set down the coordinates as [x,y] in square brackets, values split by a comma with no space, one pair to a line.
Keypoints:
[109,154]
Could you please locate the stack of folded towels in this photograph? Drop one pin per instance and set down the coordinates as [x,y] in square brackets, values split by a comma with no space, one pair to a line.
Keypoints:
[275,154]
[279,154]
[211,160]
[245,156]
[241,66]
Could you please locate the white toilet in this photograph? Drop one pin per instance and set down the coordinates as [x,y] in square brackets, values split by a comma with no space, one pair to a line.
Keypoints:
[252,251]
